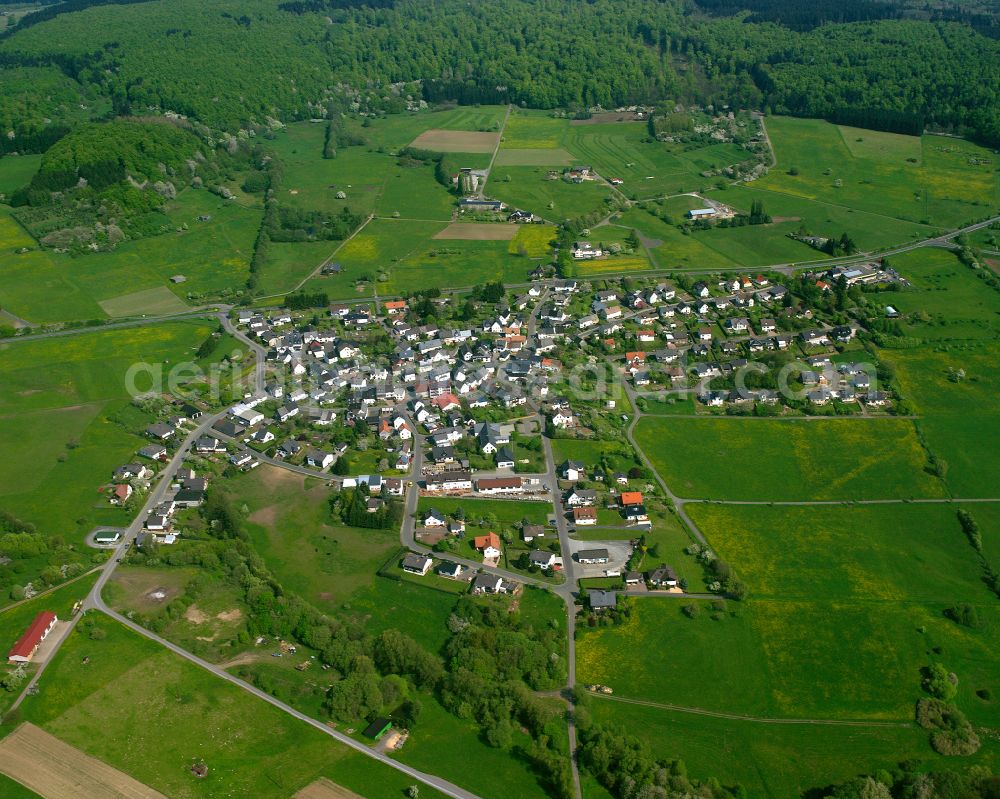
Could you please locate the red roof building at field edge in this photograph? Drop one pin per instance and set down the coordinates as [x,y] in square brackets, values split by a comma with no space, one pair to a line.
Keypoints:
[26,645]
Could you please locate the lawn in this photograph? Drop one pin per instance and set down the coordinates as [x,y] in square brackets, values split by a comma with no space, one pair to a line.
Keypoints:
[418,610]
[769,760]
[792,658]
[507,512]
[76,414]
[940,186]
[958,418]
[310,552]
[836,553]
[766,459]
[174,714]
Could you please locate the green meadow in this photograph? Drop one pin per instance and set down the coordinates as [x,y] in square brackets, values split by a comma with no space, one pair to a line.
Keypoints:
[770,760]
[17,171]
[815,658]
[530,188]
[931,179]
[766,459]
[66,403]
[213,256]
[872,553]
[946,301]
[403,256]
[958,416]
[311,553]
[99,692]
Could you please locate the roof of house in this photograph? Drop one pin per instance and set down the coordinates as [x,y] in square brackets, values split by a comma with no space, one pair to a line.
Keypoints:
[499,482]
[584,513]
[33,635]
[377,728]
[631,498]
[488,540]
[413,561]
[593,554]
[602,599]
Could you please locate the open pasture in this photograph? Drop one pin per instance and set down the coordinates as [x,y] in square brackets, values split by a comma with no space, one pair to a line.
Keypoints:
[67,411]
[534,241]
[803,659]
[308,549]
[214,255]
[958,416]
[396,131]
[951,182]
[472,231]
[672,249]
[768,760]
[55,770]
[946,302]
[766,459]
[552,198]
[456,141]
[836,552]
[174,714]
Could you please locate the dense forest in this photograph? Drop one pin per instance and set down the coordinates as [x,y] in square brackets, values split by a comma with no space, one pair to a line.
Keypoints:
[825,59]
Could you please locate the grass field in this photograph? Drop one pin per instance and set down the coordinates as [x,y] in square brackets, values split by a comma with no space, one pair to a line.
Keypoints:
[311,553]
[958,418]
[446,745]
[760,459]
[14,790]
[815,659]
[940,186]
[672,249]
[408,256]
[59,771]
[43,286]
[17,171]
[528,188]
[866,553]
[769,760]
[174,714]
[67,410]
[534,241]
[957,305]
[508,512]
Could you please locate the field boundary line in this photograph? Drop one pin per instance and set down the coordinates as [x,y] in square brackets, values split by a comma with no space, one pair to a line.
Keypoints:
[757,719]
[48,591]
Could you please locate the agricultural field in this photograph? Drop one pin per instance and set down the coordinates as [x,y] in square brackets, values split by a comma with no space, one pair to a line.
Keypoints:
[946,302]
[77,415]
[670,248]
[103,689]
[213,256]
[405,255]
[456,141]
[288,264]
[553,199]
[396,131]
[533,241]
[472,231]
[889,553]
[804,659]
[948,182]
[958,414]
[767,459]
[768,760]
